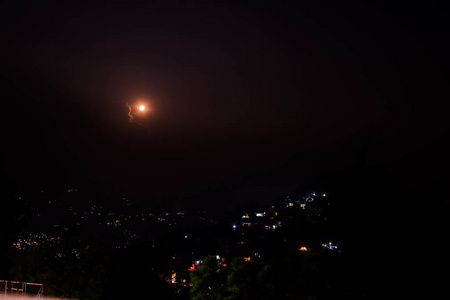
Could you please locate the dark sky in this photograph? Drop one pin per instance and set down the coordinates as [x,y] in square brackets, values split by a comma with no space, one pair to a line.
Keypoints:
[247,100]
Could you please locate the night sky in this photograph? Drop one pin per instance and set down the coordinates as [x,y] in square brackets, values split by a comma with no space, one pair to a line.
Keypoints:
[245,101]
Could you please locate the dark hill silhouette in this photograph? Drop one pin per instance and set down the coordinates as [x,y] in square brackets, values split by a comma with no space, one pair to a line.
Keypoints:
[385,226]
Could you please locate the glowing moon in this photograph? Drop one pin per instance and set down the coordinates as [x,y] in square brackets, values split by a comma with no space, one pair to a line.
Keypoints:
[141,108]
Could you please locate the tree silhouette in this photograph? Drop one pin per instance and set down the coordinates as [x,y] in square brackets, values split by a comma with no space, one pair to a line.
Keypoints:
[208,281]
[132,275]
[71,264]
[241,281]
[14,213]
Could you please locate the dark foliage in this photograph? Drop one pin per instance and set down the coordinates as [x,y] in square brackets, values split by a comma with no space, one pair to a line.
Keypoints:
[73,264]
[14,213]
[132,276]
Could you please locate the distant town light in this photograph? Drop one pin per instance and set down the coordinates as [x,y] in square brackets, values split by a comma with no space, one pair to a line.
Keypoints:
[330,246]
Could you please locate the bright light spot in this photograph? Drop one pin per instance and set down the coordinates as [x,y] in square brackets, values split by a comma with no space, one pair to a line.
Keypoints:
[141,108]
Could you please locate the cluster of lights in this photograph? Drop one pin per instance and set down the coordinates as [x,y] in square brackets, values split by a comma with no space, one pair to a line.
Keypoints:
[31,240]
[330,246]
[115,223]
[130,234]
